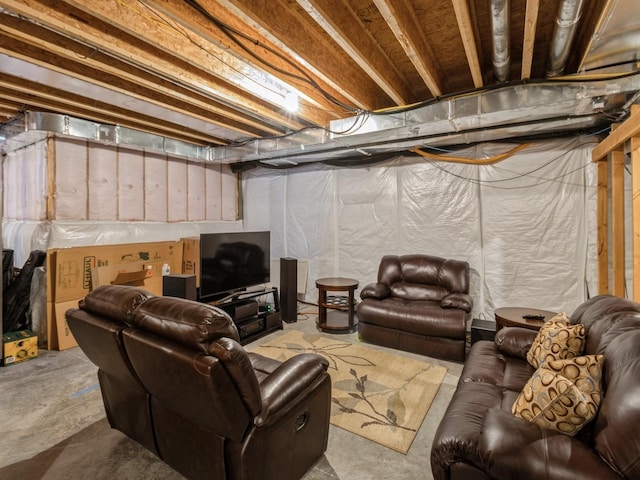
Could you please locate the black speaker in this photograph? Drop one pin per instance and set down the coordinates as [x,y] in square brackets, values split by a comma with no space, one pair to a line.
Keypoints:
[289,289]
[482,330]
[182,286]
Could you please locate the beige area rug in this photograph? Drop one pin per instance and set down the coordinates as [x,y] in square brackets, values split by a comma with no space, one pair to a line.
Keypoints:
[377,395]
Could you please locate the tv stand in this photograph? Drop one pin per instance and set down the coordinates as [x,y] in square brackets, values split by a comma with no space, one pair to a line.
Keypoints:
[254,316]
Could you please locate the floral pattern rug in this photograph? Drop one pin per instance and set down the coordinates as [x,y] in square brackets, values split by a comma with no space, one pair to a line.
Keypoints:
[378,395]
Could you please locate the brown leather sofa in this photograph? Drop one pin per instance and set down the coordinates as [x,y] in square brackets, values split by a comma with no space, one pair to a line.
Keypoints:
[174,378]
[419,304]
[479,437]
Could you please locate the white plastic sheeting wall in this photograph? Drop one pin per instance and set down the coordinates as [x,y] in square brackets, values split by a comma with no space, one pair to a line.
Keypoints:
[526,225]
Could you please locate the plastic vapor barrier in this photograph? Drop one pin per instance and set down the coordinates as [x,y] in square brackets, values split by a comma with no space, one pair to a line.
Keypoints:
[526,225]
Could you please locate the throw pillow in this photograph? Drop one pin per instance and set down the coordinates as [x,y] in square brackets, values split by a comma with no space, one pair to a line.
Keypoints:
[563,395]
[557,339]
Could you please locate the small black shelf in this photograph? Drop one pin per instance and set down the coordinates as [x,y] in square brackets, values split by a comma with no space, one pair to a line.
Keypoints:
[253,319]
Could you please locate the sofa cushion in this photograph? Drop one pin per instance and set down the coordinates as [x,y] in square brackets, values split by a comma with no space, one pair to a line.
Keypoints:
[409,316]
[187,322]
[557,339]
[416,291]
[117,302]
[563,395]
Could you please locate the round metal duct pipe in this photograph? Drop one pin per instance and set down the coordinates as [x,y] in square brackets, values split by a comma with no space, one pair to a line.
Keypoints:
[565,29]
[501,57]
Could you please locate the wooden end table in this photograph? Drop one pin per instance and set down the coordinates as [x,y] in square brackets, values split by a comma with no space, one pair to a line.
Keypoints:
[513,317]
[336,284]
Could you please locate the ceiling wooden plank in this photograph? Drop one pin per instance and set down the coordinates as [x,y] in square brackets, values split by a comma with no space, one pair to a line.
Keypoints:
[213,54]
[401,20]
[74,23]
[38,97]
[305,42]
[465,25]
[593,26]
[340,21]
[530,23]
[195,22]
[627,129]
[99,74]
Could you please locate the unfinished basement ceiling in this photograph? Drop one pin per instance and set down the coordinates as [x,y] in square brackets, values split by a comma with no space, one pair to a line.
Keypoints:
[216,73]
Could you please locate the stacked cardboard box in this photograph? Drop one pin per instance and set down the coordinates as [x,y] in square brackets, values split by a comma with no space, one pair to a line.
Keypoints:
[73,272]
[191,257]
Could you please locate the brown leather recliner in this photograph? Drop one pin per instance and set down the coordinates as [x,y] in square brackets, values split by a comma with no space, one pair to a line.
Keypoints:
[419,304]
[212,409]
[480,438]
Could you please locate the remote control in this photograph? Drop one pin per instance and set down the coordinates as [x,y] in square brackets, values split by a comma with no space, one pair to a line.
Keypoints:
[532,316]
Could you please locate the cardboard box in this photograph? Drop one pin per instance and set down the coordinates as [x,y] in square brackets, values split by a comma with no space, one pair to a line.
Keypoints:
[191,257]
[19,346]
[64,337]
[147,275]
[69,277]
[72,278]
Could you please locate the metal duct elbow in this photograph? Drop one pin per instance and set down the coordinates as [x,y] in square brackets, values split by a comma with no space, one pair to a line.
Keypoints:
[500,14]
[563,33]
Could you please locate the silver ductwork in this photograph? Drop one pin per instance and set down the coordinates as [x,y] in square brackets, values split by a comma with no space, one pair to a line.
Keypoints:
[512,111]
[501,56]
[563,33]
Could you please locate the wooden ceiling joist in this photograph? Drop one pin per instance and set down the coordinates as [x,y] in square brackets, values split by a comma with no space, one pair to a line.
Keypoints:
[339,22]
[403,24]
[123,49]
[463,17]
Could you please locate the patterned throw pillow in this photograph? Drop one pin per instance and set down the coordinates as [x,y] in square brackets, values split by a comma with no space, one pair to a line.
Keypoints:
[564,395]
[557,339]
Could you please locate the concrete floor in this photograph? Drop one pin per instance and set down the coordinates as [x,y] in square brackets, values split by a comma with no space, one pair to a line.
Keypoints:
[52,426]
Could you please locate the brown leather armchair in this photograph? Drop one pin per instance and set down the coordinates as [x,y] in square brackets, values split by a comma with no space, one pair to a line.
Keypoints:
[419,304]
[203,404]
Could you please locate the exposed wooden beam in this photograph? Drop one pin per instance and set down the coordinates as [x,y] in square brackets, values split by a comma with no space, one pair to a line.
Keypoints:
[617,222]
[314,50]
[50,99]
[635,213]
[107,41]
[465,25]
[627,129]
[603,227]
[401,19]
[68,58]
[273,57]
[528,42]
[586,40]
[339,21]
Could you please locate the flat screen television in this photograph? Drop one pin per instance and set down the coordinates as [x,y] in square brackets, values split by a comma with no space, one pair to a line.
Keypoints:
[232,262]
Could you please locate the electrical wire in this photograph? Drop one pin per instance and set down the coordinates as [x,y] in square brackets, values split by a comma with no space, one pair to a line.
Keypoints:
[234,35]
[472,161]
[490,183]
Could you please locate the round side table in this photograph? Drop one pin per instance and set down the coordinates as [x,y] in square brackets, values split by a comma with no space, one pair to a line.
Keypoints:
[336,284]
[513,317]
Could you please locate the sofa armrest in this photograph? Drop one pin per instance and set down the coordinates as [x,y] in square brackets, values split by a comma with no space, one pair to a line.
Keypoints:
[511,447]
[236,362]
[515,341]
[459,300]
[378,291]
[287,383]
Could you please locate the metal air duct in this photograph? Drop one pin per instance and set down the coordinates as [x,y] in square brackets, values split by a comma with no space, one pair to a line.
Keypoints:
[500,14]
[565,29]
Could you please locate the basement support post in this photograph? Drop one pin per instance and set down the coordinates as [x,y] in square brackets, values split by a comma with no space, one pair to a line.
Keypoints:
[613,148]
[603,227]
[617,221]
[635,209]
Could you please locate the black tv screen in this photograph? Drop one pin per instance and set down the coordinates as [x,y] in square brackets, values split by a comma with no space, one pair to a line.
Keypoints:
[231,262]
